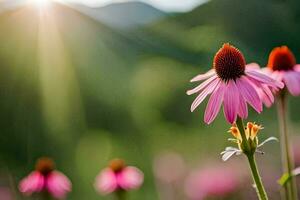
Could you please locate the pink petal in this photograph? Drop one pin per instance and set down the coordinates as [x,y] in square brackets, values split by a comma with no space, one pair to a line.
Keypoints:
[292,81]
[214,104]
[130,178]
[231,101]
[33,183]
[201,86]
[106,181]
[243,109]
[249,93]
[266,95]
[58,185]
[263,78]
[264,92]
[209,89]
[297,67]
[201,77]
[253,66]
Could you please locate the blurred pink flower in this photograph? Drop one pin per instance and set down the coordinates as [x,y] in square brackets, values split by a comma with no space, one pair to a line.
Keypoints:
[212,182]
[46,179]
[232,82]
[282,67]
[118,176]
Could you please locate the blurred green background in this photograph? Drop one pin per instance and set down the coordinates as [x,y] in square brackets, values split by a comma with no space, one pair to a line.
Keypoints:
[83,91]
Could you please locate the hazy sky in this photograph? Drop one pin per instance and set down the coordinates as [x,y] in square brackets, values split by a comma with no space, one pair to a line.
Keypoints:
[167,5]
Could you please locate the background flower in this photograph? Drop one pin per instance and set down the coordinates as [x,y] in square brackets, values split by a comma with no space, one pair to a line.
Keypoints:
[282,66]
[46,179]
[118,176]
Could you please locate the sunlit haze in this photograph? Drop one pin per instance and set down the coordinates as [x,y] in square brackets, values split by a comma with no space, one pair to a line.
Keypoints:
[40,3]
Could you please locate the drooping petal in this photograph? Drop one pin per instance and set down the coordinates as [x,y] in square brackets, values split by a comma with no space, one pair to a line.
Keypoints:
[292,82]
[243,109]
[106,182]
[249,93]
[263,78]
[33,183]
[209,89]
[297,67]
[58,185]
[264,92]
[230,151]
[201,77]
[231,101]
[201,86]
[268,140]
[130,178]
[214,104]
[253,66]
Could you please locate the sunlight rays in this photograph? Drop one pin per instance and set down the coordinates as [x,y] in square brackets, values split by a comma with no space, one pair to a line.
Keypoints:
[59,87]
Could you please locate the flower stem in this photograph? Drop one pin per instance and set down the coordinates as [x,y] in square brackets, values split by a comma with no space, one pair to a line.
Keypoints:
[120,195]
[45,196]
[287,161]
[256,177]
[240,125]
[260,190]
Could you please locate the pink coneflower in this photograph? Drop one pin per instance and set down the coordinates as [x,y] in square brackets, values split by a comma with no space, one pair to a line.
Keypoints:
[212,182]
[282,67]
[45,179]
[232,82]
[117,176]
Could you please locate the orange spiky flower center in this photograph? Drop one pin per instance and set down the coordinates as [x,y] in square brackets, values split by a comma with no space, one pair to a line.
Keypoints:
[281,59]
[229,62]
[117,165]
[45,165]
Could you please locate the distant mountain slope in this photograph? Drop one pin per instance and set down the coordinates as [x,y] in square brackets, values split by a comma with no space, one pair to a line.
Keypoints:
[123,15]
[255,26]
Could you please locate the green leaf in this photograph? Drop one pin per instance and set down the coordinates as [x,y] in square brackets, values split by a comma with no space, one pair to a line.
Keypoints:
[286,177]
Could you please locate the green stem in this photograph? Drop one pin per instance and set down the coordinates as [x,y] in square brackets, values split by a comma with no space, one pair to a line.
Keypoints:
[287,161]
[260,190]
[120,195]
[45,196]
[241,127]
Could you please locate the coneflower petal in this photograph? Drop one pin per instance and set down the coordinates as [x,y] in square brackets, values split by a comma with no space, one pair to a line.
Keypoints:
[214,104]
[209,89]
[243,109]
[58,184]
[201,86]
[264,78]
[106,182]
[264,92]
[201,77]
[249,93]
[266,98]
[297,67]
[231,101]
[292,80]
